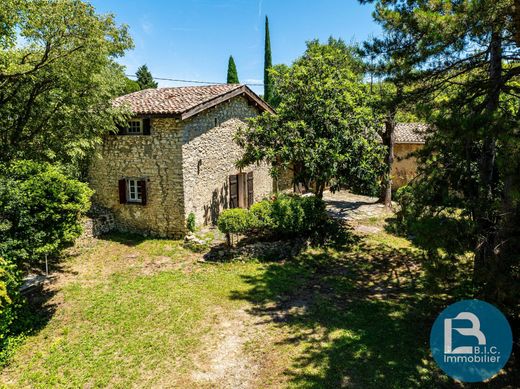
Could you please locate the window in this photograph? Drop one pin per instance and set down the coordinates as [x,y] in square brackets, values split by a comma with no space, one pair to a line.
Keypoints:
[135,126]
[134,190]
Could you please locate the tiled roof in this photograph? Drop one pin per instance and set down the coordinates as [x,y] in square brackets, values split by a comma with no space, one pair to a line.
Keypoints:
[410,132]
[180,101]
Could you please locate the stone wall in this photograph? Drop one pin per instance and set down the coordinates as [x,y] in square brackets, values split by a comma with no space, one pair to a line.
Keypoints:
[157,158]
[99,221]
[404,168]
[186,165]
[209,156]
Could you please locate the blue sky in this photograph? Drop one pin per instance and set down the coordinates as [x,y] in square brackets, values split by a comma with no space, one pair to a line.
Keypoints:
[192,39]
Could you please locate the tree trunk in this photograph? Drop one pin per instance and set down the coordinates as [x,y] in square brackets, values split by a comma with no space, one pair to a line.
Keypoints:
[516,19]
[388,137]
[486,218]
[320,188]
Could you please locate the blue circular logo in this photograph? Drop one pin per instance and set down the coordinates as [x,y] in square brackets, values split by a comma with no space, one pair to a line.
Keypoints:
[471,340]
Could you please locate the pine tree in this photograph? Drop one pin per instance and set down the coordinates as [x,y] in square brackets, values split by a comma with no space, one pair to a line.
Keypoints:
[232,75]
[465,57]
[144,78]
[268,63]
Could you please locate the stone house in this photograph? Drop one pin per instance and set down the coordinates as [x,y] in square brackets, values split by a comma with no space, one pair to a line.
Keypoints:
[177,156]
[409,137]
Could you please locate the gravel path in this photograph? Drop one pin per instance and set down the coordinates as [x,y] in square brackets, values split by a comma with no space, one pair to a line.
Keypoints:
[355,209]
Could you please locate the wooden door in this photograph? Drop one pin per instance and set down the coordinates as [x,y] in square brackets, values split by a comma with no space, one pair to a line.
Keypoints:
[250,190]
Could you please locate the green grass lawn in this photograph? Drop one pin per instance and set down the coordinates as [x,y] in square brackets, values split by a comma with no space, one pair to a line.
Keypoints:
[135,312]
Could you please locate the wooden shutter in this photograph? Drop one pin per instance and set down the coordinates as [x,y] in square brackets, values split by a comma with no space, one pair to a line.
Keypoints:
[146,126]
[144,198]
[233,191]
[250,191]
[121,130]
[122,191]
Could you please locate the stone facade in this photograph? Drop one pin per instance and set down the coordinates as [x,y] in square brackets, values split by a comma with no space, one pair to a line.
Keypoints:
[209,155]
[404,168]
[186,165]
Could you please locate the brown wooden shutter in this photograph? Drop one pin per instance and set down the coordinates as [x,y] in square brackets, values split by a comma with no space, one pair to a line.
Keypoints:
[122,191]
[146,126]
[121,130]
[250,191]
[233,191]
[144,198]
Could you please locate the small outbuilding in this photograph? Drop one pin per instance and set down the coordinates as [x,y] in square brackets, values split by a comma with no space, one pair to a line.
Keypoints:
[409,138]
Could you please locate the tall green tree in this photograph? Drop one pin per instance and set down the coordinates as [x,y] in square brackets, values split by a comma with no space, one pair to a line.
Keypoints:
[465,58]
[232,74]
[268,64]
[324,130]
[145,78]
[130,86]
[57,78]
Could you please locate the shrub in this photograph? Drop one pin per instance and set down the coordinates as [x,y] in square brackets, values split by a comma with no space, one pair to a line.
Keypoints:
[431,225]
[234,221]
[190,222]
[261,218]
[288,215]
[9,297]
[408,207]
[294,215]
[285,216]
[315,212]
[40,210]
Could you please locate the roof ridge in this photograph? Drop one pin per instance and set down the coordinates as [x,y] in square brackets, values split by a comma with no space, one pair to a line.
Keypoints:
[177,101]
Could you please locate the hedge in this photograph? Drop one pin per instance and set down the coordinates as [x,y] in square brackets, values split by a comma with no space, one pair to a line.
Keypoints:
[285,216]
[40,210]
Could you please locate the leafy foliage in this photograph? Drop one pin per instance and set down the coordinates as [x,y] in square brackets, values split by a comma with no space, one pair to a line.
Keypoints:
[190,223]
[145,78]
[295,215]
[284,215]
[234,221]
[464,57]
[57,78]
[232,74]
[40,209]
[130,86]
[324,129]
[10,308]
[261,216]
[9,296]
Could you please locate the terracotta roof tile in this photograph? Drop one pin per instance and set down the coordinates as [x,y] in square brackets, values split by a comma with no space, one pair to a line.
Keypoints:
[410,132]
[173,101]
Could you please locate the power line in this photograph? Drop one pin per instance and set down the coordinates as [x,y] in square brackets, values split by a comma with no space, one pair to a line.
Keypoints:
[190,81]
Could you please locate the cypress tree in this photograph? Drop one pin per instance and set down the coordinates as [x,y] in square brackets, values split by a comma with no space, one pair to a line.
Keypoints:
[268,63]
[232,75]
[144,78]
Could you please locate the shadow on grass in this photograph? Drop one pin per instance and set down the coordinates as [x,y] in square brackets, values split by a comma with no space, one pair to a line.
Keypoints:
[34,311]
[359,318]
[126,238]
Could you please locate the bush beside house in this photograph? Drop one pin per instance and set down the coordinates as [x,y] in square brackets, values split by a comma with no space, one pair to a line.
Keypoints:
[40,213]
[284,216]
[40,209]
